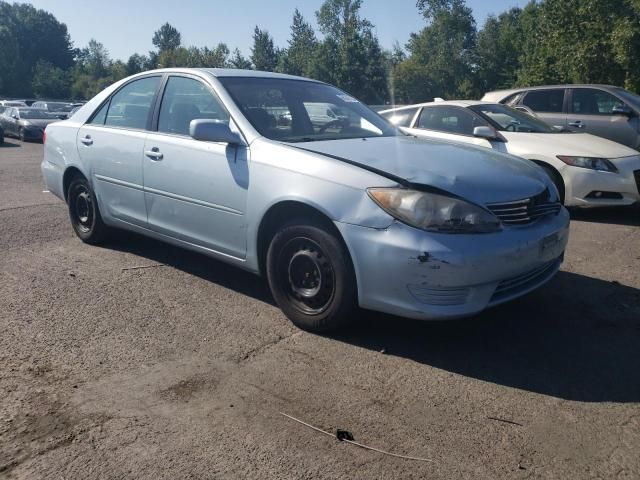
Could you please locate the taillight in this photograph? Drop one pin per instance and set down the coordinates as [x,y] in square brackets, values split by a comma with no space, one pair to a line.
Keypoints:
[44,135]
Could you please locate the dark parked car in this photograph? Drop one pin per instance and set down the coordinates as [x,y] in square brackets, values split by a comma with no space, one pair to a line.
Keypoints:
[26,123]
[59,109]
[1,135]
[602,110]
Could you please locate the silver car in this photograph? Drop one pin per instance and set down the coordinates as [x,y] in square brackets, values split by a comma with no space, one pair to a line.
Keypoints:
[356,214]
[603,110]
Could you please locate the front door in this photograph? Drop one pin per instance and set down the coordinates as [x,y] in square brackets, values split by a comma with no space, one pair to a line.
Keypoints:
[112,143]
[591,111]
[195,191]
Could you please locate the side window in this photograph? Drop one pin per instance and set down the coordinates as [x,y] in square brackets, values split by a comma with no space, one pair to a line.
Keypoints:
[549,101]
[186,99]
[450,120]
[401,118]
[100,116]
[129,108]
[588,101]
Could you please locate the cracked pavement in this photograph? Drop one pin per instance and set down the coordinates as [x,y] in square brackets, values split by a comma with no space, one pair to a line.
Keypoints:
[181,370]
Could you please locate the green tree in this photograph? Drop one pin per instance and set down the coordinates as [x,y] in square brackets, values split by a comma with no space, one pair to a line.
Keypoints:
[28,36]
[136,64]
[350,55]
[49,81]
[444,50]
[238,60]
[498,50]
[263,53]
[167,37]
[302,46]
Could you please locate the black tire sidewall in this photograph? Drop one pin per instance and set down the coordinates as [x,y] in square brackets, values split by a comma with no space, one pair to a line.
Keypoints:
[341,309]
[97,232]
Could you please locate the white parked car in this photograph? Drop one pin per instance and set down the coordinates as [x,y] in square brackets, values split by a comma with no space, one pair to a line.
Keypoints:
[588,171]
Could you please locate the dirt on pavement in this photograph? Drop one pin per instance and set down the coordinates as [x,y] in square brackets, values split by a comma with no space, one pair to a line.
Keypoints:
[181,370]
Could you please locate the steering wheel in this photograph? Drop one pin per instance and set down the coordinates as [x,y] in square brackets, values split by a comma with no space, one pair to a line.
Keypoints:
[512,127]
[332,124]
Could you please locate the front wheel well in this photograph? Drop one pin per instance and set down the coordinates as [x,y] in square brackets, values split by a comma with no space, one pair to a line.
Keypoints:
[69,174]
[555,176]
[281,213]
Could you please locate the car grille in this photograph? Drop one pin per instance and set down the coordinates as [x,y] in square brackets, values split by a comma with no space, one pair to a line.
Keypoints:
[521,212]
[526,281]
[636,174]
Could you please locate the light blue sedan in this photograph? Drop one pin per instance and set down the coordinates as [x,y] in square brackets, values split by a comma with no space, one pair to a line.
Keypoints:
[352,213]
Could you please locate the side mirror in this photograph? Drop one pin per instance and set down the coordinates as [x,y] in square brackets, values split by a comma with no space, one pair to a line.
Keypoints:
[485,132]
[622,110]
[213,131]
[15,117]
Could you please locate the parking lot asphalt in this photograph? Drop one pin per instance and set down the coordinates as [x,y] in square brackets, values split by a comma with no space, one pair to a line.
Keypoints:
[181,369]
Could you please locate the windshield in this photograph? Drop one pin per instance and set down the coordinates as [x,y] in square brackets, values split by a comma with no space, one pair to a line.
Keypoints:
[507,119]
[629,96]
[303,111]
[34,113]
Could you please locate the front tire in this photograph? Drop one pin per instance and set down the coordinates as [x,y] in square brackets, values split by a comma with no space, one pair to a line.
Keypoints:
[84,213]
[557,180]
[311,276]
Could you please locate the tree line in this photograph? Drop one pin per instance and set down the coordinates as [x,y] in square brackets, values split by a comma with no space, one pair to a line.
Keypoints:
[548,41]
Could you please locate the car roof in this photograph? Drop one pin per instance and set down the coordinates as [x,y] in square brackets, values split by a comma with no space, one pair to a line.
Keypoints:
[232,72]
[455,103]
[545,87]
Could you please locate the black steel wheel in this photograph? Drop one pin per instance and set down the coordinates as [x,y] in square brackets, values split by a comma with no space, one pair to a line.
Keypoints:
[84,213]
[311,276]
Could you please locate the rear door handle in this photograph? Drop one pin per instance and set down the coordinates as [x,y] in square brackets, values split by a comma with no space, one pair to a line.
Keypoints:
[154,154]
[577,124]
[87,140]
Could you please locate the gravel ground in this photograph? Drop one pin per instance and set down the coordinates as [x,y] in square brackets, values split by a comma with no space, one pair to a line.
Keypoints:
[181,370]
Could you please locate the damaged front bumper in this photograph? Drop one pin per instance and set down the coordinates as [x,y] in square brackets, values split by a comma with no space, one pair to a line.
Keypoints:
[432,276]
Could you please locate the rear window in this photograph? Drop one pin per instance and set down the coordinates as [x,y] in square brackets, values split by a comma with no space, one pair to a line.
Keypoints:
[550,101]
[131,105]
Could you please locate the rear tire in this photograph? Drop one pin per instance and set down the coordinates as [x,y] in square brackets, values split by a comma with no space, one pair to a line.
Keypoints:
[311,276]
[84,213]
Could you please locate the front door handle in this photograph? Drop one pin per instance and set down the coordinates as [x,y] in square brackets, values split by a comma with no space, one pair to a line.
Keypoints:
[577,124]
[87,140]
[154,154]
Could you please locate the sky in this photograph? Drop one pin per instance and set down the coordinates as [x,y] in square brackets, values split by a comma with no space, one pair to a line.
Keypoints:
[126,26]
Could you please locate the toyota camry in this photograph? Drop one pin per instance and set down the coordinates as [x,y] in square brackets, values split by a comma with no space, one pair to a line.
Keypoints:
[338,215]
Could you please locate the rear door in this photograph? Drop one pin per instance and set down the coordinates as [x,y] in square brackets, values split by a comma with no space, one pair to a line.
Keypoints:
[591,111]
[195,191]
[112,145]
[548,104]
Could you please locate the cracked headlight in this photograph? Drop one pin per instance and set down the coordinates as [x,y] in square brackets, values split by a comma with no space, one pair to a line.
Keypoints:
[592,163]
[434,212]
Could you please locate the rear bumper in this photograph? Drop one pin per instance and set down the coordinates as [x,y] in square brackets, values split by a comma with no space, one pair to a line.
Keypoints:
[416,274]
[580,182]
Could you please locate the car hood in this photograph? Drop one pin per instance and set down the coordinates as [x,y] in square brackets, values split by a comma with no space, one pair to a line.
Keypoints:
[576,144]
[475,173]
[38,122]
